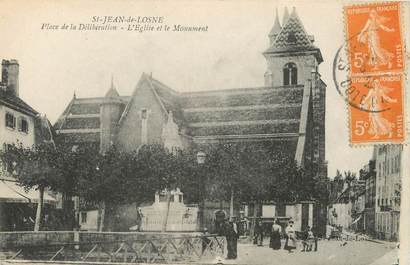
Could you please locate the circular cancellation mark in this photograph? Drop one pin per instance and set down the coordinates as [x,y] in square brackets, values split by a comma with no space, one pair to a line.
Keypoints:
[349,90]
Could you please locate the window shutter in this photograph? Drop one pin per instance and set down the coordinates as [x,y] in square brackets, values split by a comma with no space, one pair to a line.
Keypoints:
[285,76]
[294,75]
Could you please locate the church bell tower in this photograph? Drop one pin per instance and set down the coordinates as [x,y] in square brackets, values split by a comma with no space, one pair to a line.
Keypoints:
[292,62]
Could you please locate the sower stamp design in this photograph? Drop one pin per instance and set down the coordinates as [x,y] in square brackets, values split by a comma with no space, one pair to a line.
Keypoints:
[374,38]
[380,116]
[374,50]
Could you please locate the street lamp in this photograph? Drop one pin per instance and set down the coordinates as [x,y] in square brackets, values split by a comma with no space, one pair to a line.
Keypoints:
[200,158]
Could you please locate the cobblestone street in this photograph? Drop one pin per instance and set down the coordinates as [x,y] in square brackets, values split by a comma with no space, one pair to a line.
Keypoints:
[329,252]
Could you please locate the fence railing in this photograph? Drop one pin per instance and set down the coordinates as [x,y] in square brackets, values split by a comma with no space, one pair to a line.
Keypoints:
[165,249]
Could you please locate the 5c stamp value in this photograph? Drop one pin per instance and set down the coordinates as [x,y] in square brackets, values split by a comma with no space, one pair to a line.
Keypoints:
[374,49]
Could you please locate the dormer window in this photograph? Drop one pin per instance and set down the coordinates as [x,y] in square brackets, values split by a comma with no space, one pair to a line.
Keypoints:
[10,121]
[290,74]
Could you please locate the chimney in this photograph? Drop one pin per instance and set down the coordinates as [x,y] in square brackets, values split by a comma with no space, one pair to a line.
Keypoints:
[10,76]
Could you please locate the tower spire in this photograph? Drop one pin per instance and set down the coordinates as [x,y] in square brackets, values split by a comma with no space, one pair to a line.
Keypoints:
[112,82]
[285,16]
[275,29]
[112,92]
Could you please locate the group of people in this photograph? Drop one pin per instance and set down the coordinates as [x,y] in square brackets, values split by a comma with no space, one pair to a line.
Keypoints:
[230,230]
[309,241]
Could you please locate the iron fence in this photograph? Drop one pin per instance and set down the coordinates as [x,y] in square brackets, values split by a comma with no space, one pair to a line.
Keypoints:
[152,250]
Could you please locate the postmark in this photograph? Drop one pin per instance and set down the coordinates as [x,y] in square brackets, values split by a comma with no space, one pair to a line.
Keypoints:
[372,67]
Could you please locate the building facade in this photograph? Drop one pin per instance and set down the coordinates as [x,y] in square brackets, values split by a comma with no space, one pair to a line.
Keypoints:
[368,174]
[19,124]
[289,110]
[388,189]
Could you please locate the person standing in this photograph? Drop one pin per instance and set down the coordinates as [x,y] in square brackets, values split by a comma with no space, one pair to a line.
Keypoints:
[275,235]
[231,234]
[315,234]
[258,233]
[310,239]
[140,218]
[305,236]
[290,237]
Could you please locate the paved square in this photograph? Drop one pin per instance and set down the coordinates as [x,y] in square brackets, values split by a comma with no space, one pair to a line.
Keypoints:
[329,252]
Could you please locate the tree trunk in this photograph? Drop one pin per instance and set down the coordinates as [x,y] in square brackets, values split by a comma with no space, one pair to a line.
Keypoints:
[76,212]
[231,204]
[40,203]
[102,216]
[164,224]
[67,220]
[253,222]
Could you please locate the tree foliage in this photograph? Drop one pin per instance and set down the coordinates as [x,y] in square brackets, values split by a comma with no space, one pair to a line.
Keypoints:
[255,172]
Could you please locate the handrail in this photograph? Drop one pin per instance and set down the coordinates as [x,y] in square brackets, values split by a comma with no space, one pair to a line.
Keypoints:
[119,241]
[149,250]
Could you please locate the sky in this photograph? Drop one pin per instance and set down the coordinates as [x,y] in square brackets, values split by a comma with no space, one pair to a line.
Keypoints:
[55,64]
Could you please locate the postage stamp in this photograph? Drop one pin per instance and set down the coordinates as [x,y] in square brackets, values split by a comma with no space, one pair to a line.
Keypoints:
[374,38]
[375,58]
[380,116]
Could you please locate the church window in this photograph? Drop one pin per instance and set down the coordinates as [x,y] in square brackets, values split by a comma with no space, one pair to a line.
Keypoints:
[143,114]
[290,74]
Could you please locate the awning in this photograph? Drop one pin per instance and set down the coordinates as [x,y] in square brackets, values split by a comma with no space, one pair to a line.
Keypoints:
[11,192]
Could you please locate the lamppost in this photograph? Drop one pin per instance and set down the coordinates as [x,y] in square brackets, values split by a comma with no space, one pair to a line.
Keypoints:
[200,158]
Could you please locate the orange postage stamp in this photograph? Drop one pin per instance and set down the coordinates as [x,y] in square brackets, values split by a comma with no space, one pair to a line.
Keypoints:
[379,117]
[375,54]
[374,38]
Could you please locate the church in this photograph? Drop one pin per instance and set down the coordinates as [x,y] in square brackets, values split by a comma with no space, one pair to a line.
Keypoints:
[289,109]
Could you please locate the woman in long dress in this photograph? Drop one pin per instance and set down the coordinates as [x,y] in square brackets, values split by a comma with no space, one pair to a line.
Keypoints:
[369,34]
[379,126]
[275,235]
[290,237]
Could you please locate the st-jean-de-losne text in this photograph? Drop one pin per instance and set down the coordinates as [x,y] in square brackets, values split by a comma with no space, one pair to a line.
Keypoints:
[127,19]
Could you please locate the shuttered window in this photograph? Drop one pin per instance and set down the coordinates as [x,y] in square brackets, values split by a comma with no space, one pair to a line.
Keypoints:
[10,120]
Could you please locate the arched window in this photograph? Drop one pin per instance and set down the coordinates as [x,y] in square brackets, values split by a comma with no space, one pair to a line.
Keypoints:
[290,74]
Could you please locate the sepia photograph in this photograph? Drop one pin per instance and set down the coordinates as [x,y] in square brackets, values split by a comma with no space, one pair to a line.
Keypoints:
[204,132]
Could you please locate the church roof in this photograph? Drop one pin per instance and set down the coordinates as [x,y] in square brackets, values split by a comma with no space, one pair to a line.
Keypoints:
[293,37]
[80,121]
[170,100]
[243,111]
[246,112]
[250,114]
[112,92]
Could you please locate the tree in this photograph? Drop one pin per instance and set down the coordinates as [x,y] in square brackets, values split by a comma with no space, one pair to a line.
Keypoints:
[34,167]
[116,177]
